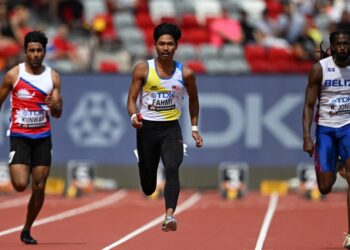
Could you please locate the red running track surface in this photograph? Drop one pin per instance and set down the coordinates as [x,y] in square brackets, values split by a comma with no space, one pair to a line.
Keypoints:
[98,220]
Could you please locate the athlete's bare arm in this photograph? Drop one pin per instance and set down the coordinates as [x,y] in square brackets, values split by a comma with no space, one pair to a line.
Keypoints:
[54,100]
[191,87]
[311,93]
[7,83]
[138,78]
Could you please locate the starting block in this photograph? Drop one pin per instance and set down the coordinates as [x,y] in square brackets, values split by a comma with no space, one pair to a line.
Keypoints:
[308,183]
[268,187]
[80,177]
[55,186]
[233,180]
[5,179]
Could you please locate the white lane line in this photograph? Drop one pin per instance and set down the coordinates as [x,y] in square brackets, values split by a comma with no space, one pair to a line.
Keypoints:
[15,202]
[268,217]
[185,205]
[72,212]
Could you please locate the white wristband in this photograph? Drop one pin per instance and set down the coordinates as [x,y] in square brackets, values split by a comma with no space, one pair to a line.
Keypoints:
[132,117]
[194,128]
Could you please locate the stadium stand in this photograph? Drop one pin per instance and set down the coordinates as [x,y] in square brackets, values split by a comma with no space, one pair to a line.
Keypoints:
[104,29]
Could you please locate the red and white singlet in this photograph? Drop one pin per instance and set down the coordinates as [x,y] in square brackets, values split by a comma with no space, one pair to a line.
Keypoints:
[29,113]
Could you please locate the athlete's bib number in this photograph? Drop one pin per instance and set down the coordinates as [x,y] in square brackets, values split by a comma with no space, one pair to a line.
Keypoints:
[339,105]
[31,118]
[162,101]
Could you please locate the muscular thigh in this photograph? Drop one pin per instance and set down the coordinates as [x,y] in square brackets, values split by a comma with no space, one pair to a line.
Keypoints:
[326,149]
[148,146]
[41,152]
[344,142]
[172,147]
[30,152]
[20,151]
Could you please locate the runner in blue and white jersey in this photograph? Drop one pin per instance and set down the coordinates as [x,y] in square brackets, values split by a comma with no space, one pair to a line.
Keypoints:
[329,90]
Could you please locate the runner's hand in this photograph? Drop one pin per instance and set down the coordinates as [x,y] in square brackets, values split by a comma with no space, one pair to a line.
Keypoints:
[308,146]
[136,120]
[199,140]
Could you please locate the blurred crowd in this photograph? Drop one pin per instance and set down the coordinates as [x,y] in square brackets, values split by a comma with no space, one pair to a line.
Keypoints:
[110,36]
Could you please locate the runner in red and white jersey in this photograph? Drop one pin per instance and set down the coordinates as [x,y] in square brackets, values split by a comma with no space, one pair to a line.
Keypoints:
[29,112]
[35,94]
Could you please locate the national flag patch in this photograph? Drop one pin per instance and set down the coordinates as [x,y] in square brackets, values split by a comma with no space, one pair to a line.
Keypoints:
[175,87]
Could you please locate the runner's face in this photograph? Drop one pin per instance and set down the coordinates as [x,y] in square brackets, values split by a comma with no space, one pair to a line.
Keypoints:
[340,48]
[35,54]
[166,47]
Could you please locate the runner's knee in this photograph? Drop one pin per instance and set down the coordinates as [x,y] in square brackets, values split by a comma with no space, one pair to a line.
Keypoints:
[148,189]
[148,186]
[325,188]
[172,172]
[20,186]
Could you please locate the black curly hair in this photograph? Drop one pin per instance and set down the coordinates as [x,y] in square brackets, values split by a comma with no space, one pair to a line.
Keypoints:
[167,29]
[327,53]
[37,37]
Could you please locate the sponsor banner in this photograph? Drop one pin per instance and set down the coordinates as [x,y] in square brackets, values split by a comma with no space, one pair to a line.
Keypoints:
[253,119]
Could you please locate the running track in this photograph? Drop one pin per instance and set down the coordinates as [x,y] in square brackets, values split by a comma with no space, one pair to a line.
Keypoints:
[125,220]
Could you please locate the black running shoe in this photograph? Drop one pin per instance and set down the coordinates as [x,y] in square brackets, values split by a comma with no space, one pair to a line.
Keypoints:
[26,238]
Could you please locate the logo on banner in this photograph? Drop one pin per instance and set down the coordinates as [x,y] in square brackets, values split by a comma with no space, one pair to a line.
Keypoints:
[95,121]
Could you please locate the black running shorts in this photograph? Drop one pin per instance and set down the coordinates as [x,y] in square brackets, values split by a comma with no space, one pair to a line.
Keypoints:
[31,152]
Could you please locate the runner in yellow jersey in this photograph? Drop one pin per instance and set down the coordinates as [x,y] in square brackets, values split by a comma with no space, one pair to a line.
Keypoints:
[156,92]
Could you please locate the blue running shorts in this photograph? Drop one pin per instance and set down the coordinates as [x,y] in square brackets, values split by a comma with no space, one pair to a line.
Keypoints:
[330,144]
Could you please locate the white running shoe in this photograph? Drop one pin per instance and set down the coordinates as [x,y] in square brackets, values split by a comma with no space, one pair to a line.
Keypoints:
[170,224]
[346,243]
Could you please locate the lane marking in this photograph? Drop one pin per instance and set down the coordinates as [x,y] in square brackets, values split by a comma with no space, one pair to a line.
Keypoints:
[15,202]
[185,205]
[73,212]
[267,220]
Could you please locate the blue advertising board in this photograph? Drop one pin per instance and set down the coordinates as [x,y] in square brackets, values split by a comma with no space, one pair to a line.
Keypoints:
[250,118]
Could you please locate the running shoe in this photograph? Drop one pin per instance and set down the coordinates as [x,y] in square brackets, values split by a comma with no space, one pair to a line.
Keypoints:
[26,238]
[170,224]
[346,243]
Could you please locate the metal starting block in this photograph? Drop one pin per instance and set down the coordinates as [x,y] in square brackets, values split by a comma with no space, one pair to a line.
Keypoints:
[55,186]
[269,187]
[80,177]
[233,180]
[307,182]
